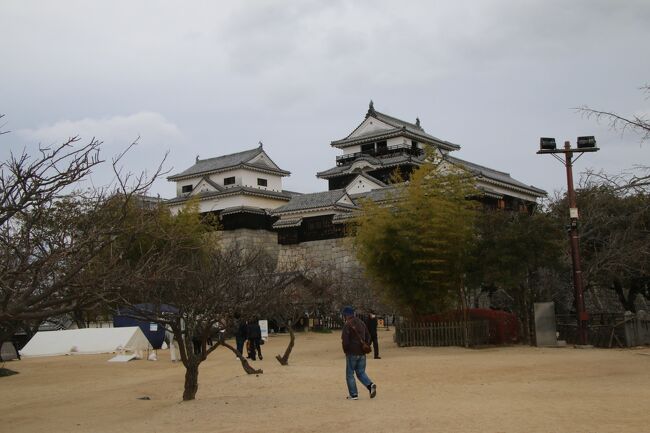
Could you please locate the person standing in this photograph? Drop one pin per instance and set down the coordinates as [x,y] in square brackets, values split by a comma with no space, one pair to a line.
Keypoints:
[240,333]
[372,328]
[254,338]
[173,346]
[353,336]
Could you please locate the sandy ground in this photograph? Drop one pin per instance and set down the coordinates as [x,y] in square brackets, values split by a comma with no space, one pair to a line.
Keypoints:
[513,389]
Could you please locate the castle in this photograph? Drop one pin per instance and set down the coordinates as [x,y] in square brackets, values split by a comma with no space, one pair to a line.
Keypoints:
[244,189]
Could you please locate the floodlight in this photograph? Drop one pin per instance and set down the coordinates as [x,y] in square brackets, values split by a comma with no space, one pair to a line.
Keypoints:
[587,141]
[547,143]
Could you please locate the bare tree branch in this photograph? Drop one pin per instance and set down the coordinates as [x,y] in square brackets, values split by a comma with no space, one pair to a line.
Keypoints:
[639,124]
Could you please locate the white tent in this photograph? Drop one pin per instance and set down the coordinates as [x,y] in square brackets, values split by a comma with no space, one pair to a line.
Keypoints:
[86,341]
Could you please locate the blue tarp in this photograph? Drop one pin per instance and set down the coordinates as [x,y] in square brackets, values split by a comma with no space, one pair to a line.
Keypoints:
[154,332]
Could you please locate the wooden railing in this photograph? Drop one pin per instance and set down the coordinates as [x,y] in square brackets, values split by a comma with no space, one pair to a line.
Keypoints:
[389,150]
[437,334]
[608,329]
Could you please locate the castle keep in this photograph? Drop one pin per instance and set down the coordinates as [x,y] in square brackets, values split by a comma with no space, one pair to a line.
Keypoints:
[244,190]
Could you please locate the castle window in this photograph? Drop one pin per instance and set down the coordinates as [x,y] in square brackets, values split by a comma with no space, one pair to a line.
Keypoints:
[229,180]
[261,182]
[382,146]
[368,148]
[186,188]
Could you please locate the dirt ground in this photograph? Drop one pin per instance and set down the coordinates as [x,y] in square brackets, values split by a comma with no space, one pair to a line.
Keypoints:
[512,389]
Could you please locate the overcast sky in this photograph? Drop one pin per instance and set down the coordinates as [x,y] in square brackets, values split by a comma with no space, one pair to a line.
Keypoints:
[209,78]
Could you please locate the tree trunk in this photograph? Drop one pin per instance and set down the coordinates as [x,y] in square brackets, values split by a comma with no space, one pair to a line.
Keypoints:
[244,363]
[284,359]
[78,317]
[527,317]
[465,315]
[191,381]
[5,335]
[625,300]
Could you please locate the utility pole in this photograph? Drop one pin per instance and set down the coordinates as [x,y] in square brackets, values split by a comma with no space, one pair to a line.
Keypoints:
[585,144]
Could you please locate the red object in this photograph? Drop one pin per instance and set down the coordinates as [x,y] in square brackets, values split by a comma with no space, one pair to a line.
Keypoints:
[504,326]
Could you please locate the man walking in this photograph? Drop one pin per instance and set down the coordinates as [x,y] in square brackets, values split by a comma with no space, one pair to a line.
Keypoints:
[353,336]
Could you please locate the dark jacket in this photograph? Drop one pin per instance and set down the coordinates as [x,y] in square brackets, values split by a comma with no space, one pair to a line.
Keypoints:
[241,330]
[352,342]
[254,332]
[372,326]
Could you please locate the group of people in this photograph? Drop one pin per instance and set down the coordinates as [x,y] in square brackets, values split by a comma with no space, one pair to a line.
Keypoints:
[356,336]
[248,333]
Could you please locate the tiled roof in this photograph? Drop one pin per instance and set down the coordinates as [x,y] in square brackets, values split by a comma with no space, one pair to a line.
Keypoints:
[287,222]
[313,200]
[226,161]
[246,190]
[476,169]
[213,184]
[378,162]
[242,209]
[372,179]
[379,194]
[489,192]
[399,127]
[343,218]
[495,175]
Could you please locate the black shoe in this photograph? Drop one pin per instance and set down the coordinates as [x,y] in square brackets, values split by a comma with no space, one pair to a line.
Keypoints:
[373,390]
[377,357]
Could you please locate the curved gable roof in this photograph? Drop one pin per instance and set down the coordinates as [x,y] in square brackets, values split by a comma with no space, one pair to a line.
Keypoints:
[495,175]
[399,127]
[331,198]
[252,158]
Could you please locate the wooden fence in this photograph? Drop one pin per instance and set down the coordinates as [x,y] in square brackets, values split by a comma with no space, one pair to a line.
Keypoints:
[608,329]
[436,334]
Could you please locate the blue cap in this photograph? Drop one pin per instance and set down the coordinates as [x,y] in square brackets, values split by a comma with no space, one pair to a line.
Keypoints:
[348,311]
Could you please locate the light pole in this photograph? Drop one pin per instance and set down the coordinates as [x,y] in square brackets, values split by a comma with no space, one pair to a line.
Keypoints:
[585,144]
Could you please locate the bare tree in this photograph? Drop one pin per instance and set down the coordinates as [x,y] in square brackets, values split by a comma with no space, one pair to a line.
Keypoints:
[341,287]
[639,124]
[615,217]
[294,297]
[51,234]
[276,294]
[194,287]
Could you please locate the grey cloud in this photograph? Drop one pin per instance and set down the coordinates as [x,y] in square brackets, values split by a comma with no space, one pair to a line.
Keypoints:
[491,75]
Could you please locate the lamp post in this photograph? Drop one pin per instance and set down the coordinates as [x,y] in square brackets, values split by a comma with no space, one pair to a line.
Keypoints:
[584,144]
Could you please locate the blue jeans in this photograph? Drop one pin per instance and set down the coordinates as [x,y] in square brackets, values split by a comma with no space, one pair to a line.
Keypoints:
[356,364]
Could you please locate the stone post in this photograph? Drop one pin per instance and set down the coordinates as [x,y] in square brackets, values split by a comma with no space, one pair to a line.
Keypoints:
[630,329]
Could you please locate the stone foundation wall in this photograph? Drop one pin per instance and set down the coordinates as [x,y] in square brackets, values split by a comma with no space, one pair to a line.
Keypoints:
[250,239]
[329,255]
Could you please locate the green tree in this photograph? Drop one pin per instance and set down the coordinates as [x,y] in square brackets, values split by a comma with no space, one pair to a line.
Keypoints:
[417,246]
[516,251]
